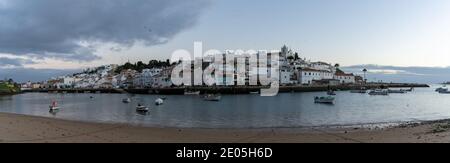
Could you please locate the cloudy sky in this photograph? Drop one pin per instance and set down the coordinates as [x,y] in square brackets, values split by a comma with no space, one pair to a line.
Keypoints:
[46,37]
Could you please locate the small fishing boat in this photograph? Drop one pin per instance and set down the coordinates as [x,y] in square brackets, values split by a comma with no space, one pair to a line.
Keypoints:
[444,92]
[254,92]
[54,107]
[324,100]
[441,89]
[212,97]
[331,93]
[397,91]
[191,92]
[159,101]
[142,108]
[126,100]
[379,92]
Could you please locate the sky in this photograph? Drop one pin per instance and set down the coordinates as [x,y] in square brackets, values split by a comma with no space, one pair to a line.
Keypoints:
[67,35]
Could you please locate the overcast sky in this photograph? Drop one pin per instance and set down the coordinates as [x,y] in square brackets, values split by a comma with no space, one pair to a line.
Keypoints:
[74,34]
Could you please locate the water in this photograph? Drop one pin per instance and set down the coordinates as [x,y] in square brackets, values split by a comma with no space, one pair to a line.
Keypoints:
[237,111]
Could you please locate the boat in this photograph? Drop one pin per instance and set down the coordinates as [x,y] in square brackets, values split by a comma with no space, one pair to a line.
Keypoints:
[126,100]
[212,97]
[159,101]
[441,89]
[379,92]
[325,100]
[331,93]
[396,91]
[54,107]
[408,90]
[191,92]
[142,108]
[444,92]
[255,92]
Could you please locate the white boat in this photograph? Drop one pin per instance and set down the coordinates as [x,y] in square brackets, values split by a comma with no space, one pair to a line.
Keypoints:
[255,92]
[142,108]
[126,100]
[159,101]
[191,92]
[325,100]
[54,108]
[408,90]
[396,91]
[212,97]
[379,92]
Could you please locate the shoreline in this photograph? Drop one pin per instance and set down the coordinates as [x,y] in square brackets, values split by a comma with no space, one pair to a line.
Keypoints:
[230,89]
[16,128]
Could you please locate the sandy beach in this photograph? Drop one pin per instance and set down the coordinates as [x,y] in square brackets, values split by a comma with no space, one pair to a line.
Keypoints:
[28,129]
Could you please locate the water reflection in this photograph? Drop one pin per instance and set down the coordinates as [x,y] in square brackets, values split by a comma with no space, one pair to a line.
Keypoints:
[236,111]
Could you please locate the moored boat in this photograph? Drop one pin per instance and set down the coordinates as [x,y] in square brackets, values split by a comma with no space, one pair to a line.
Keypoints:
[331,93]
[213,97]
[324,99]
[379,92]
[408,90]
[444,92]
[54,107]
[396,91]
[440,89]
[159,101]
[126,100]
[191,92]
[142,108]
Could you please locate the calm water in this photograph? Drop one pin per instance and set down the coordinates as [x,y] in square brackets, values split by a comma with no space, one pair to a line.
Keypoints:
[238,111]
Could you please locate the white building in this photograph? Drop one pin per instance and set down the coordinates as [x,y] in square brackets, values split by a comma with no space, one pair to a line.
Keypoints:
[345,78]
[307,75]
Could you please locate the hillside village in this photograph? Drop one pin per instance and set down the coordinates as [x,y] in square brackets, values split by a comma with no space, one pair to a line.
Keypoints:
[157,74]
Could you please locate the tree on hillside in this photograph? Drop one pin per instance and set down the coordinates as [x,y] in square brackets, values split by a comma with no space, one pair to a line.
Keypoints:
[296,56]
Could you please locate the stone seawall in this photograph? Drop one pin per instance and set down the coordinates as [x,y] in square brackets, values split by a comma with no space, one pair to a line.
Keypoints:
[230,89]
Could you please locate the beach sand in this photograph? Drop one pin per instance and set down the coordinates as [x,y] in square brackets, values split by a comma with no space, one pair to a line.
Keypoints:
[28,129]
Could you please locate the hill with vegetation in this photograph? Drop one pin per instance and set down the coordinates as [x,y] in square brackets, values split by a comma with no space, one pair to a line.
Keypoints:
[7,88]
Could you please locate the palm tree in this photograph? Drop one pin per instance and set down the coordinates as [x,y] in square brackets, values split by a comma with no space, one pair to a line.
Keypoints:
[365,71]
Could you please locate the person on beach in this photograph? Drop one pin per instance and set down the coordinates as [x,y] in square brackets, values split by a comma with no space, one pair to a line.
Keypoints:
[54,104]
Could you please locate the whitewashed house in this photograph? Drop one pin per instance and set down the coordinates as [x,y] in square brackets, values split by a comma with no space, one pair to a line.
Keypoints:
[345,78]
[308,75]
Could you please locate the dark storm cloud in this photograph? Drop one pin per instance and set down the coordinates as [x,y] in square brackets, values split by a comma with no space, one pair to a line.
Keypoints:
[57,28]
[13,62]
